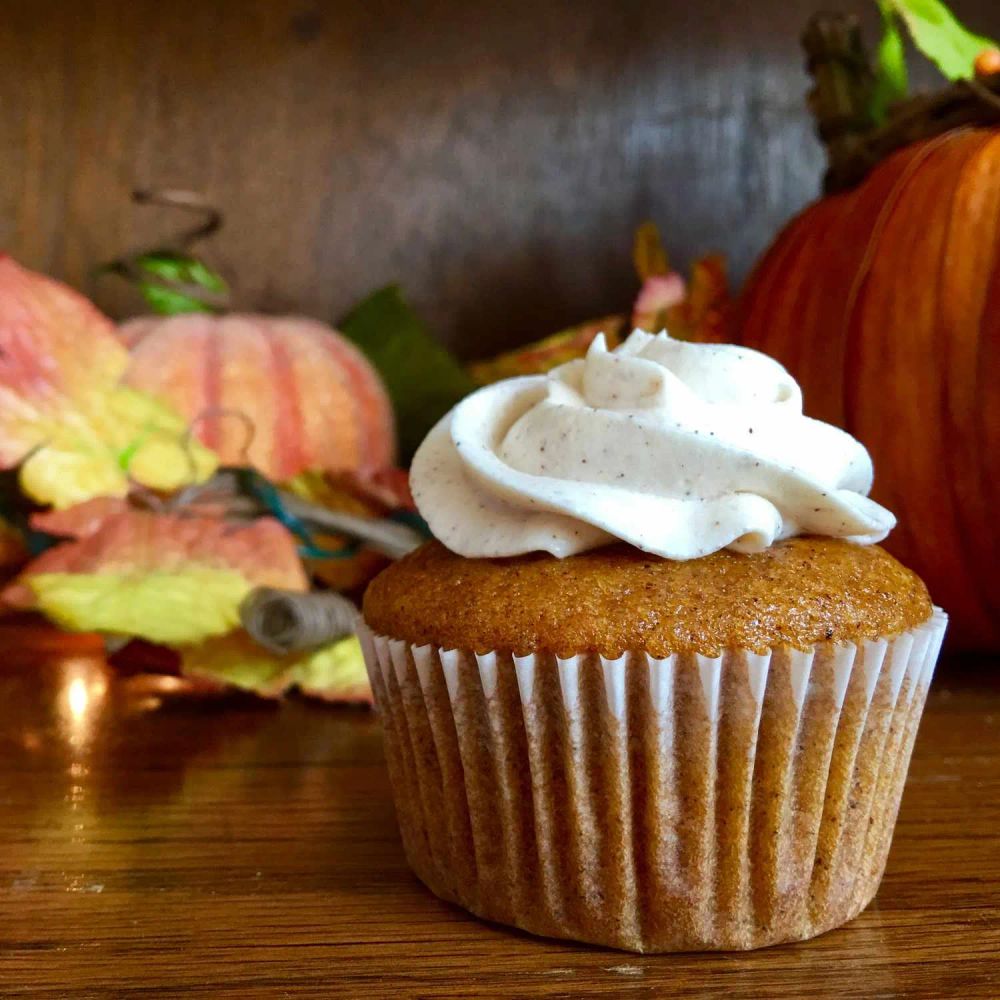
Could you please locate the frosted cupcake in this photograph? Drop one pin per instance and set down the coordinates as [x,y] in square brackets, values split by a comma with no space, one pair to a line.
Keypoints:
[654,686]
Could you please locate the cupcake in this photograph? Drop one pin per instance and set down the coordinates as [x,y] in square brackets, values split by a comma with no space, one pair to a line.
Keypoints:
[654,685]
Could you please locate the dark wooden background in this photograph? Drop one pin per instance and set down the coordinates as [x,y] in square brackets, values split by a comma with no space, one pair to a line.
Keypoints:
[493,157]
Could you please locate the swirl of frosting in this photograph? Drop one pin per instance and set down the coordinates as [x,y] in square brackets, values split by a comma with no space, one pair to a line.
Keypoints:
[677,448]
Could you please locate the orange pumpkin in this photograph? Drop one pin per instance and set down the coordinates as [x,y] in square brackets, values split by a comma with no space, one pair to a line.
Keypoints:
[284,394]
[884,301]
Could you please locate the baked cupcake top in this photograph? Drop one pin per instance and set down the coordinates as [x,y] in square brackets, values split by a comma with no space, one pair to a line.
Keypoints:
[616,598]
[680,449]
[666,497]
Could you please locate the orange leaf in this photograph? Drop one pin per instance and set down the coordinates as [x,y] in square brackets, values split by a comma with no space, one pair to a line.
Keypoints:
[543,355]
[80,520]
[705,313]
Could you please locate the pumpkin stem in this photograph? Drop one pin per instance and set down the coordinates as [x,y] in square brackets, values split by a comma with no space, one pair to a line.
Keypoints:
[843,84]
[841,102]
[169,277]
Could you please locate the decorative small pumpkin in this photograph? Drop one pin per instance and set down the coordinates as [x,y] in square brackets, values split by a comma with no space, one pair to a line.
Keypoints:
[285,394]
[883,300]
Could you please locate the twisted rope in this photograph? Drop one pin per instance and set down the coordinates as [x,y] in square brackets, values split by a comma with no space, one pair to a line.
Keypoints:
[286,621]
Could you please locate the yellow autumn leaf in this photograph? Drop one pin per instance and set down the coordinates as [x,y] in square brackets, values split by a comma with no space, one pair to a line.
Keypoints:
[335,672]
[187,606]
[64,418]
[160,577]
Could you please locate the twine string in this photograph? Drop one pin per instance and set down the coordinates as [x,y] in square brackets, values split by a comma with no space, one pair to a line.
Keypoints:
[284,621]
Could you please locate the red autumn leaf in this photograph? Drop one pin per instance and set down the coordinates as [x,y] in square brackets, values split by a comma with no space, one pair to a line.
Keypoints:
[80,520]
[705,314]
[162,577]
[12,549]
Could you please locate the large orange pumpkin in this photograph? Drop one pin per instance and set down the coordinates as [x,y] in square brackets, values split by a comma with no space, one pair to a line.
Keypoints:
[284,394]
[884,301]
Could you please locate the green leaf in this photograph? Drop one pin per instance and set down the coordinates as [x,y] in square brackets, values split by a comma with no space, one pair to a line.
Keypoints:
[175,267]
[424,380]
[177,280]
[166,302]
[938,34]
[203,276]
[891,78]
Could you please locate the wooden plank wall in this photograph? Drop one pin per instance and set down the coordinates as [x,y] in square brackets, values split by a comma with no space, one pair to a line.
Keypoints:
[493,157]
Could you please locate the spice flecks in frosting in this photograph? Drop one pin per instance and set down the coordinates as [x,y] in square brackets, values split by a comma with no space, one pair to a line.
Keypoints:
[680,449]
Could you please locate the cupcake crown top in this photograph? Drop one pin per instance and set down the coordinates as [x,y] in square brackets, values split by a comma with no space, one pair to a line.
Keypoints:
[678,448]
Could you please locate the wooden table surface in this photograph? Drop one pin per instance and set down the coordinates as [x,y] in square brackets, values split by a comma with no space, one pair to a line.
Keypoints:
[156,847]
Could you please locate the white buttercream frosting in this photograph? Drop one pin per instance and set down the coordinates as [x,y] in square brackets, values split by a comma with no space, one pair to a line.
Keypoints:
[678,448]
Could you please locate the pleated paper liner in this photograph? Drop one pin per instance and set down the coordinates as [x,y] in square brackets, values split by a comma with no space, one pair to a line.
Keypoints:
[686,803]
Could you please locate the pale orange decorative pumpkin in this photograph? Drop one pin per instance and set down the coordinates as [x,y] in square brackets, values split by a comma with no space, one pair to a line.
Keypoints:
[284,394]
[884,302]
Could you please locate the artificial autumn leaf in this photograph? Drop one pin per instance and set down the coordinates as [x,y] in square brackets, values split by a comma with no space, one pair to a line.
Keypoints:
[168,607]
[80,520]
[691,311]
[423,379]
[161,577]
[543,355]
[705,312]
[65,420]
[85,518]
[702,312]
[13,552]
[694,310]
[367,497]
[334,673]
[175,283]
[378,494]
[648,253]
[660,293]
[236,660]
[389,487]
[662,287]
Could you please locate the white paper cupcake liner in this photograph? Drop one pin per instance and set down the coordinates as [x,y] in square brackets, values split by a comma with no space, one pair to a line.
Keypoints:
[685,803]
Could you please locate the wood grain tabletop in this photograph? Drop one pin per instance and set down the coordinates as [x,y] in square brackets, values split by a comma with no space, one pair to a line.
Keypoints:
[151,846]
